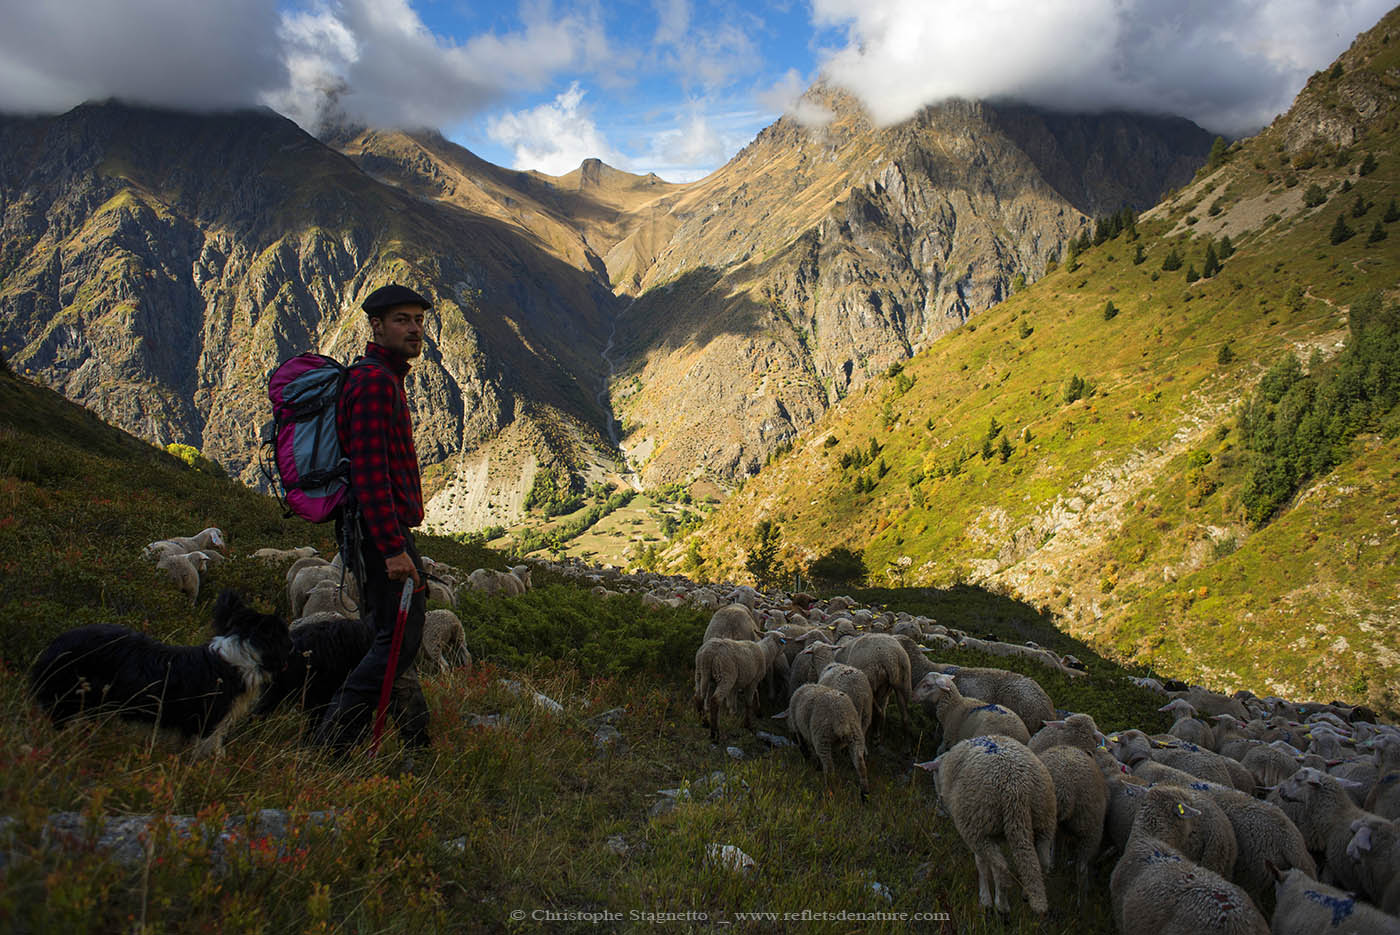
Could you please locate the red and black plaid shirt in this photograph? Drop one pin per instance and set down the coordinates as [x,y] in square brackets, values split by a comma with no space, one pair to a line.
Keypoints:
[376,433]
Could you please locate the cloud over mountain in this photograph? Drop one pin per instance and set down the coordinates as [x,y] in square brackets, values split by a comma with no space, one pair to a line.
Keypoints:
[1230,65]
[59,53]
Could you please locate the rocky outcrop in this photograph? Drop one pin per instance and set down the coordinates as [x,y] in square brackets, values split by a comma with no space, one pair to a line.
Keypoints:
[156,266]
[818,257]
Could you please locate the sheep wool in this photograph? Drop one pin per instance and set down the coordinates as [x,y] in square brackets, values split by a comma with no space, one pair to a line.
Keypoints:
[1077,730]
[886,665]
[1081,803]
[1324,813]
[1156,888]
[1020,693]
[853,682]
[824,720]
[729,672]
[732,622]
[444,643]
[1306,907]
[998,792]
[963,718]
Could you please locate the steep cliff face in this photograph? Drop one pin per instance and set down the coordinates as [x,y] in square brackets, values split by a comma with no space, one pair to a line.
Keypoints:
[819,256]
[156,266]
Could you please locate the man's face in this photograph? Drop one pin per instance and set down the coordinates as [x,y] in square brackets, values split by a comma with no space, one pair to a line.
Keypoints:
[400,329]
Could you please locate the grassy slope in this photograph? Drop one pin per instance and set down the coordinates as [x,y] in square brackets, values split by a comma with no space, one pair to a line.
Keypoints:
[1096,517]
[528,807]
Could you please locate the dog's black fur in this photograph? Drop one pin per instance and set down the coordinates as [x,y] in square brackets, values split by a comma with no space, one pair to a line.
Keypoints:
[105,668]
[323,653]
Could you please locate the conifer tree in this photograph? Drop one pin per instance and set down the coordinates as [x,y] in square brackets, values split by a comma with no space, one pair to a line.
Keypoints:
[1110,311]
[1368,164]
[1172,261]
[1227,249]
[1392,212]
[1139,257]
[1340,231]
[1378,233]
[1005,450]
[1211,264]
[1217,153]
[1360,206]
[1191,274]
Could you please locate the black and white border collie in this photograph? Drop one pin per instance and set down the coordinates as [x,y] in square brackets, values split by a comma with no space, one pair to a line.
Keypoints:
[199,691]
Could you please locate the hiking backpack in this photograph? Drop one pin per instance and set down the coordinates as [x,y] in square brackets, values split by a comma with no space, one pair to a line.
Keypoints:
[302,442]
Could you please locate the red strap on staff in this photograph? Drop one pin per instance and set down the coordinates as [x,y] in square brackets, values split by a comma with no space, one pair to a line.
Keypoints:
[390,672]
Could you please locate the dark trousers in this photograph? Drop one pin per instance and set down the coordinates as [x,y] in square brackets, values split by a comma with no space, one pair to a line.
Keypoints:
[350,716]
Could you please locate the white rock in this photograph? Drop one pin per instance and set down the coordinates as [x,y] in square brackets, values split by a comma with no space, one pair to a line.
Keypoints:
[730,857]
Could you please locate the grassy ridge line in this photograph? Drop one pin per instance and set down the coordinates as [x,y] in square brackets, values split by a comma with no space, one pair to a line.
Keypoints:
[512,817]
[1107,511]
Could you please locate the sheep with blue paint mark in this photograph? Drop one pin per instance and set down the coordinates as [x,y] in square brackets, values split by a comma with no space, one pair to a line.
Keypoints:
[962,718]
[999,793]
[1156,888]
[1307,907]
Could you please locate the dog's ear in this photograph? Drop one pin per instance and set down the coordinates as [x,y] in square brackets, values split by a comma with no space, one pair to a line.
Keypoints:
[228,606]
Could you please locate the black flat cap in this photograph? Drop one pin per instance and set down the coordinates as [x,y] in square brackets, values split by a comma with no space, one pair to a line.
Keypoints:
[392,295]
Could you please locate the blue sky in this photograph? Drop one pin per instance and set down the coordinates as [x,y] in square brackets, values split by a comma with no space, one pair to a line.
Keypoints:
[670,86]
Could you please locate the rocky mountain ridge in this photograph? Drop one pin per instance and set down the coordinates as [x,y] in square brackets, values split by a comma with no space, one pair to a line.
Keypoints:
[155,265]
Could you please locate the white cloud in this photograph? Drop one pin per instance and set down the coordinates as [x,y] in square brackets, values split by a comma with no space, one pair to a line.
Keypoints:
[554,137]
[375,62]
[786,97]
[1230,65]
[56,54]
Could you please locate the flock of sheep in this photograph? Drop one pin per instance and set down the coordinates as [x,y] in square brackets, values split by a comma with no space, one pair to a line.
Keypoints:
[320,593]
[1241,795]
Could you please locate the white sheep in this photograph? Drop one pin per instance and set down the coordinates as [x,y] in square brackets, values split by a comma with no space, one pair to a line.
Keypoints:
[807,665]
[438,590]
[309,577]
[996,792]
[1384,798]
[444,643]
[1210,841]
[1186,725]
[963,718]
[1076,730]
[1008,689]
[207,539]
[522,574]
[310,561]
[729,672]
[277,556]
[1306,907]
[1268,764]
[184,568]
[1375,846]
[854,683]
[1081,802]
[1324,813]
[732,622]
[824,720]
[1133,746]
[1156,888]
[1264,833]
[327,597]
[884,662]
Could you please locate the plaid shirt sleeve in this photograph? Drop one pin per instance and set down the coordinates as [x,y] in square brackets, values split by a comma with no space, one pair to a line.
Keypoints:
[368,429]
